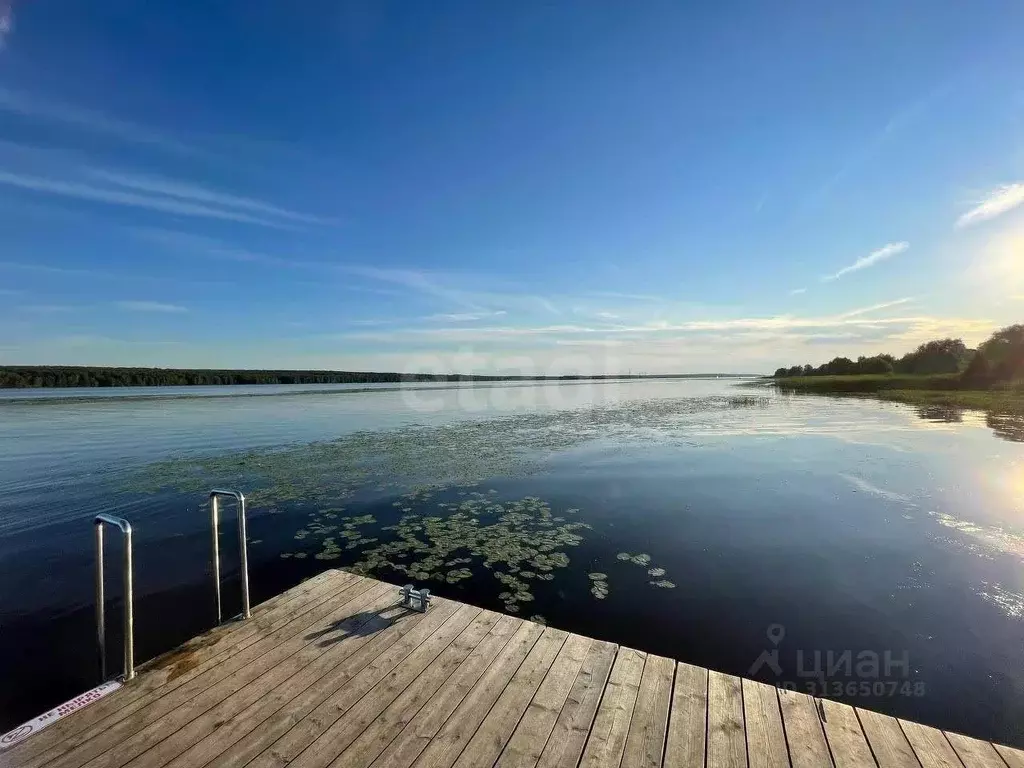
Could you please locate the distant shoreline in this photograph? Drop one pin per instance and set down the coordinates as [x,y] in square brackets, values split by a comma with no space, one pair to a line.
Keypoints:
[99,377]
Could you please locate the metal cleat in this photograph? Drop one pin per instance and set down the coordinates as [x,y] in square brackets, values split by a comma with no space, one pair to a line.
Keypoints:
[415,599]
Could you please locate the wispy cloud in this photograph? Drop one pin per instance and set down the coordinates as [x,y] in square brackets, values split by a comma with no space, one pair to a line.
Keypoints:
[199,194]
[36,107]
[188,243]
[45,268]
[151,306]
[48,309]
[447,290]
[6,22]
[411,279]
[875,308]
[883,253]
[999,201]
[898,122]
[465,317]
[797,291]
[129,199]
[779,323]
[626,296]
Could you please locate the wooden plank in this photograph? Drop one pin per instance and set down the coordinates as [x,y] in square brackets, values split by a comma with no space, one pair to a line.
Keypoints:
[452,714]
[531,734]
[727,747]
[845,736]
[569,735]
[515,694]
[645,744]
[974,753]
[417,645]
[804,734]
[688,720]
[607,739]
[766,740]
[196,657]
[497,728]
[137,733]
[483,638]
[930,746]
[888,743]
[1013,758]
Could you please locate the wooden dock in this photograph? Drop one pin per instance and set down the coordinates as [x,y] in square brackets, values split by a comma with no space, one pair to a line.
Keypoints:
[336,673]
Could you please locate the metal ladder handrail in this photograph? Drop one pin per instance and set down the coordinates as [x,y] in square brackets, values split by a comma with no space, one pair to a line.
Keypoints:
[239,498]
[129,597]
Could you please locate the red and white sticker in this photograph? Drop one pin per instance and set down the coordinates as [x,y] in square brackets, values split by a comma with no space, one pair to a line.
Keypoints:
[22,732]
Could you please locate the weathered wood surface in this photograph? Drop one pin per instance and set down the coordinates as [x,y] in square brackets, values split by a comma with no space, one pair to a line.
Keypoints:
[336,673]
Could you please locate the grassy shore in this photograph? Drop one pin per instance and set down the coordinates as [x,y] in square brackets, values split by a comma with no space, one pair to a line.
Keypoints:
[945,390]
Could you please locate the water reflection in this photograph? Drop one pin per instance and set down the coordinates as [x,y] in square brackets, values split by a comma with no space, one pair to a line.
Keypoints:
[949,414]
[1008,426]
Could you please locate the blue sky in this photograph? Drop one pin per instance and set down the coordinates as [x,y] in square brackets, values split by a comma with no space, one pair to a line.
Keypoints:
[518,187]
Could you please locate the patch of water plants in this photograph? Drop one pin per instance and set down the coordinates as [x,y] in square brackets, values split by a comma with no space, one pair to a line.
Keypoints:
[458,453]
[519,544]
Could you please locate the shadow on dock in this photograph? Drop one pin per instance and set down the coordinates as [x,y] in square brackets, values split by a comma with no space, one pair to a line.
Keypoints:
[359,625]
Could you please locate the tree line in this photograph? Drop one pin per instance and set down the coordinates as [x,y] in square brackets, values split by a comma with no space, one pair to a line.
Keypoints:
[88,376]
[999,359]
[35,376]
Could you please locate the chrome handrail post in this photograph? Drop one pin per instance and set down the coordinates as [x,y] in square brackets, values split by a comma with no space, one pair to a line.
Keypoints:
[101,624]
[129,605]
[129,596]
[243,547]
[243,556]
[215,528]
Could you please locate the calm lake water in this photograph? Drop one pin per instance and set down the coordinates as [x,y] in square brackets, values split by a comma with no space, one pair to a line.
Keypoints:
[703,521]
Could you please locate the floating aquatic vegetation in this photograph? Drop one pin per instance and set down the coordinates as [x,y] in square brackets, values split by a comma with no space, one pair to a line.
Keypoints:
[518,543]
[639,559]
[430,457]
